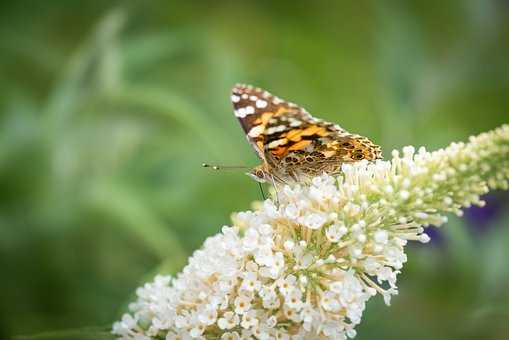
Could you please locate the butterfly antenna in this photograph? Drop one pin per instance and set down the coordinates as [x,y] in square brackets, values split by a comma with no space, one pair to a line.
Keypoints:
[224,167]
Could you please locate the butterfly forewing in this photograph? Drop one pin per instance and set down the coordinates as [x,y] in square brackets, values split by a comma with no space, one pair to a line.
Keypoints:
[290,141]
[264,117]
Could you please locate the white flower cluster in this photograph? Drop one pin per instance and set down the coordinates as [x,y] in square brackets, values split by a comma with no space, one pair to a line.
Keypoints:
[304,269]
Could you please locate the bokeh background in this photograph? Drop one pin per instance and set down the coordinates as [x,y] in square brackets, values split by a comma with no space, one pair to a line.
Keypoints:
[108,108]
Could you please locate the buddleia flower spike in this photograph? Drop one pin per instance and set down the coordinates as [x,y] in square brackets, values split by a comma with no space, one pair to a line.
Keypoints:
[305,269]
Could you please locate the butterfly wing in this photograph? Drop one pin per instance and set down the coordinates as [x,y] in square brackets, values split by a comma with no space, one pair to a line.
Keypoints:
[254,109]
[287,136]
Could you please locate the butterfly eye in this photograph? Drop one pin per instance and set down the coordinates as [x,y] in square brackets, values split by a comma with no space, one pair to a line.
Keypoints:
[258,175]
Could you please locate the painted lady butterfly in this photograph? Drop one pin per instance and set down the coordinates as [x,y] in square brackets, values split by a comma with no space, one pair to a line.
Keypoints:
[293,145]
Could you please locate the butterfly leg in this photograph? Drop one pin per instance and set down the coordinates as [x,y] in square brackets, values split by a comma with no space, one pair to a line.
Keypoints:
[261,191]
[275,188]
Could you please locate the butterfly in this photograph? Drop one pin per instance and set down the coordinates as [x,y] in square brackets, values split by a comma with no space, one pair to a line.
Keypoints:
[292,144]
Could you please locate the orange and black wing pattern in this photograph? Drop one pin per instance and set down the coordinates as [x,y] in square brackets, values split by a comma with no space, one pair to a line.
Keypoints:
[288,138]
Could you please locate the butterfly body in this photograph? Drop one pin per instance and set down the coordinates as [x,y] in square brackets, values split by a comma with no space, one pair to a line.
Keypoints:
[293,145]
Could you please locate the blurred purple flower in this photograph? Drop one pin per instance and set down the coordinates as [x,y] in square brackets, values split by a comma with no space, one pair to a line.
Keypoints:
[435,234]
[479,219]
[482,218]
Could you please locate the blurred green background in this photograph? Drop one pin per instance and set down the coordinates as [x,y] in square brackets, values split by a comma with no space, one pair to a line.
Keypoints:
[108,108]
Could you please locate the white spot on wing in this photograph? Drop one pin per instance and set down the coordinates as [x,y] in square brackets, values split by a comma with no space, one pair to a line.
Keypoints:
[255,131]
[235,98]
[241,112]
[277,142]
[253,98]
[244,111]
[275,129]
[260,103]
[250,110]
